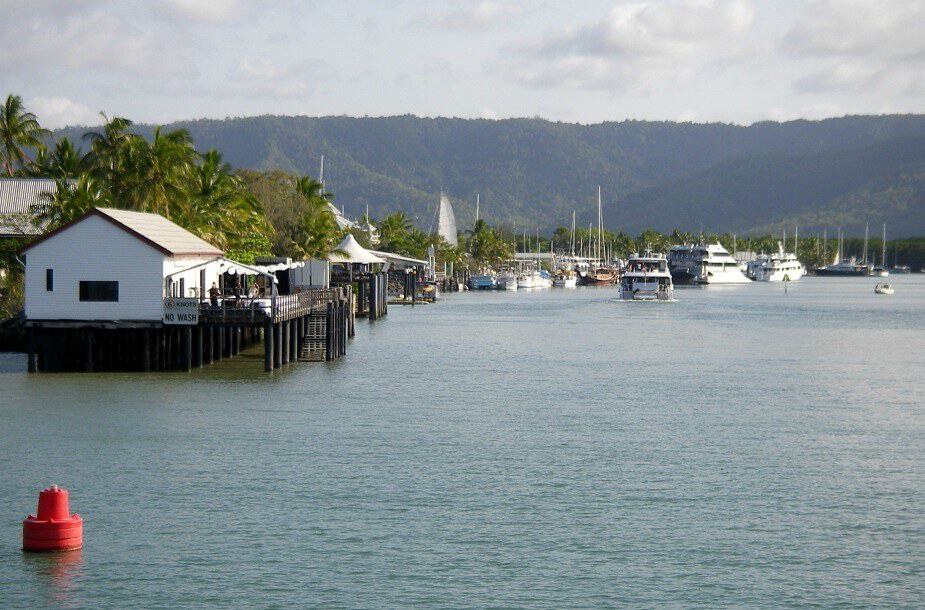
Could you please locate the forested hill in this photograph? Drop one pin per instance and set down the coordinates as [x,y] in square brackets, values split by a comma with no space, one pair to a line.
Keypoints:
[661,175]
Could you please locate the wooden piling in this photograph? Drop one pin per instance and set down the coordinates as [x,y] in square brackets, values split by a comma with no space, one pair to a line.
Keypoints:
[268,346]
[186,348]
[277,345]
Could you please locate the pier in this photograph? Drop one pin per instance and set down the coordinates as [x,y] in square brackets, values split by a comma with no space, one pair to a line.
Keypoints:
[310,326]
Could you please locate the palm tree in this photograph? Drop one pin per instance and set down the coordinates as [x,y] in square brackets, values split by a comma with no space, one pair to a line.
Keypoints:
[156,171]
[317,232]
[69,201]
[18,130]
[65,161]
[107,154]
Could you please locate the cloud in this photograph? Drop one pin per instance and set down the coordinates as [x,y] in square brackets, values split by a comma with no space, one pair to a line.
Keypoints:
[263,77]
[858,45]
[641,44]
[56,112]
[94,39]
[204,11]
[474,16]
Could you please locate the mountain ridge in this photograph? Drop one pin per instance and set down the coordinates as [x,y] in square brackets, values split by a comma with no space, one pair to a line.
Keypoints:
[533,172]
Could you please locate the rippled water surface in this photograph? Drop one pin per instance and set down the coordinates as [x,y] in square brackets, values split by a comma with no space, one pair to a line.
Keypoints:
[742,446]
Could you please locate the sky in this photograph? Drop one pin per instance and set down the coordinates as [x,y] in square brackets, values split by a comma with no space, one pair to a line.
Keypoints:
[584,61]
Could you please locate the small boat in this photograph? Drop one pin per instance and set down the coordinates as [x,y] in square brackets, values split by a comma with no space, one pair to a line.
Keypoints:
[565,279]
[646,278]
[533,279]
[601,277]
[482,282]
[902,269]
[883,288]
[507,281]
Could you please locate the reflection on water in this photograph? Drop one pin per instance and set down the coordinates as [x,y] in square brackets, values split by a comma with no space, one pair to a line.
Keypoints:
[56,575]
[743,446]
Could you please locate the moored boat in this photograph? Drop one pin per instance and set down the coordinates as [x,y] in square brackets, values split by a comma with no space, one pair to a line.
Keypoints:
[780,267]
[603,276]
[646,278]
[883,288]
[482,282]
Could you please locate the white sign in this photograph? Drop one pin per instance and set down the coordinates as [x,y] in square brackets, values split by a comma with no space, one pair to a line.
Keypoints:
[181,311]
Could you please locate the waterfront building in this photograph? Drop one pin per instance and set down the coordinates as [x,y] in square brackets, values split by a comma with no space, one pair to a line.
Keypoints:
[116,265]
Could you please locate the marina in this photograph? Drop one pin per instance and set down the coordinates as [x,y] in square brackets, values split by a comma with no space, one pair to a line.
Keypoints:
[724,457]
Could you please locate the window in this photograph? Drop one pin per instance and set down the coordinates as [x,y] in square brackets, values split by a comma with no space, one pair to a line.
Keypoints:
[49,280]
[99,292]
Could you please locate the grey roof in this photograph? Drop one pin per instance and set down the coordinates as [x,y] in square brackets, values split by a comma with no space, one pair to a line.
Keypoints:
[154,228]
[17,196]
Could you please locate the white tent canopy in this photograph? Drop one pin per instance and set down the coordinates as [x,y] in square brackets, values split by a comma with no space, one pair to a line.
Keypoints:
[353,252]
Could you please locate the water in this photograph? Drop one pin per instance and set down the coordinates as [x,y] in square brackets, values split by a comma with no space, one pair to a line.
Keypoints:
[741,446]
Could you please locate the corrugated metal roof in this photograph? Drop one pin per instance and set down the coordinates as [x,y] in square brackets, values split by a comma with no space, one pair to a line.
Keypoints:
[155,228]
[17,196]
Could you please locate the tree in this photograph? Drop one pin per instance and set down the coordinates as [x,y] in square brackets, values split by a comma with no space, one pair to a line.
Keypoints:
[157,171]
[19,130]
[69,201]
[316,234]
[65,161]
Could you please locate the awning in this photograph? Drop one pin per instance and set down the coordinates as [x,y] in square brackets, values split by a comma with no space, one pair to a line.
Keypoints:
[353,252]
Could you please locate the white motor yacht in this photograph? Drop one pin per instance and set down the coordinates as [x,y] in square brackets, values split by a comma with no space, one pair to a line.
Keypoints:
[646,278]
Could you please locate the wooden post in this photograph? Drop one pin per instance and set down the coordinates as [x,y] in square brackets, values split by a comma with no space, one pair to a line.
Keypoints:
[277,345]
[268,346]
[146,350]
[156,349]
[209,332]
[372,296]
[30,349]
[197,347]
[293,340]
[220,351]
[88,357]
[285,345]
[186,349]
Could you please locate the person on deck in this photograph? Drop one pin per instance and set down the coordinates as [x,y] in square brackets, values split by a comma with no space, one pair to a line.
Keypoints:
[213,294]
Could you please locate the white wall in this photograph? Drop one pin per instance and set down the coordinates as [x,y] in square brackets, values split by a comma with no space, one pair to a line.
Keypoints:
[94,249]
[315,274]
[191,278]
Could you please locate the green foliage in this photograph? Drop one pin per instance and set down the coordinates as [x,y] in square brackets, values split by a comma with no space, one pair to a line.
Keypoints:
[654,174]
[19,130]
[163,175]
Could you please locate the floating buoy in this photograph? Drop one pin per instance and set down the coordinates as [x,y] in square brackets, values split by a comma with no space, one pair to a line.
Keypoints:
[53,528]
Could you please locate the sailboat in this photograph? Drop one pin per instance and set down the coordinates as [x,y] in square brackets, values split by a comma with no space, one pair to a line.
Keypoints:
[446,221]
[881,270]
[845,267]
[603,275]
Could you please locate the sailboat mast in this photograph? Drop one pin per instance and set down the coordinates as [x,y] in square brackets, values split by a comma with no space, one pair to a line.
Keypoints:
[321,174]
[573,233]
[600,222]
[883,253]
[796,239]
[866,230]
[476,207]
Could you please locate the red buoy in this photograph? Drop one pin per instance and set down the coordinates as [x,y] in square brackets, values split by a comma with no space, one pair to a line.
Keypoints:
[53,528]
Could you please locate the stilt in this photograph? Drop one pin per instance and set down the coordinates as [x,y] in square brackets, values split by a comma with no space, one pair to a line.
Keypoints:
[88,338]
[285,345]
[277,345]
[197,347]
[293,339]
[30,350]
[268,346]
[220,351]
[146,350]
[186,349]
